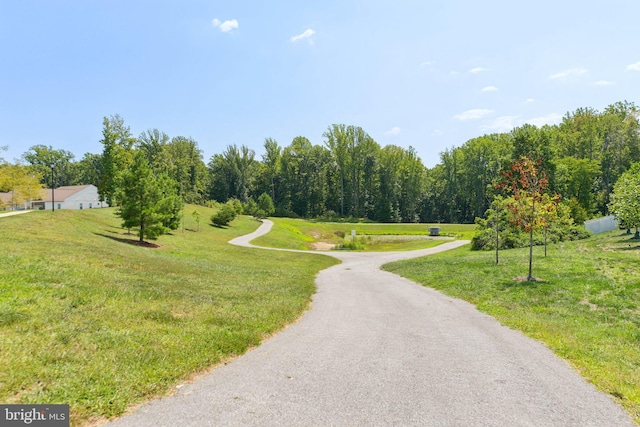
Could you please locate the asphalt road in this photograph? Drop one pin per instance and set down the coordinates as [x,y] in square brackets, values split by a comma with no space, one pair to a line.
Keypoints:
[380,350]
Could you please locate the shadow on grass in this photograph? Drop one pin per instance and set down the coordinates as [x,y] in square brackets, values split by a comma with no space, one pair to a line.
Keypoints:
[129,241]
[631,248]
[521,282]
[221,227]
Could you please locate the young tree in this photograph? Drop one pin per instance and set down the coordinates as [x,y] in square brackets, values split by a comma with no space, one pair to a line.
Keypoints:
[148,203]
[527,182]
[196,217]
[625,199]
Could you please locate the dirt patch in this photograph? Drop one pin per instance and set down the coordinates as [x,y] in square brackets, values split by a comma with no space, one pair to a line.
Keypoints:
[322,246]
[526,279]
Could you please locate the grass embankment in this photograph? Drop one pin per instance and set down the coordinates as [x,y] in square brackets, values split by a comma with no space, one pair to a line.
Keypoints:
[303,234]
[89,319]
[586,308]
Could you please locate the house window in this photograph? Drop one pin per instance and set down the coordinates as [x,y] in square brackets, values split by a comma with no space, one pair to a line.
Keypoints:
[59,206]
[80,205]
[90,205]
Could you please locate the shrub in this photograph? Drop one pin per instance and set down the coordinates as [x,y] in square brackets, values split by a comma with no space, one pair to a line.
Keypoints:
[224,216]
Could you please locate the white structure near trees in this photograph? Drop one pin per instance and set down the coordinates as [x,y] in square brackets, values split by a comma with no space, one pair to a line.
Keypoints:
[70,197]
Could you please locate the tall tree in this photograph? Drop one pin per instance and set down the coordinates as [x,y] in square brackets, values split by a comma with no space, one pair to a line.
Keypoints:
[232,174]
[412,175]
[336,139]
[117,152]
[153,144]
[89,169]
[576,180]
[186,167]
[43,158]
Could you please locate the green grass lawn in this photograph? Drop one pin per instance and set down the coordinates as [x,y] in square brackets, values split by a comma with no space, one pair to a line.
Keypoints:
[89,319]
[290,233]
[586,307]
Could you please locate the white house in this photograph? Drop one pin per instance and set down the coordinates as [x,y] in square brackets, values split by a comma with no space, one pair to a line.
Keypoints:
[71,197]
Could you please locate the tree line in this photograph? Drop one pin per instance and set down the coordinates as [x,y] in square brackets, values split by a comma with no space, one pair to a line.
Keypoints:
[351,175]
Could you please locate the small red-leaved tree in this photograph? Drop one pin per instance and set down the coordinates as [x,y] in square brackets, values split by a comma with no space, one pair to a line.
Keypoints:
[529,207]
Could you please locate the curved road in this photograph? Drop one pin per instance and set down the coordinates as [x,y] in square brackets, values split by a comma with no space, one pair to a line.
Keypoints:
[377,349]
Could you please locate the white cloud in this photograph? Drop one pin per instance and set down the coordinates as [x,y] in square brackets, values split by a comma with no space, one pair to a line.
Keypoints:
[474,114]
[489,89]
[393,131]
[477,70]
[604,83]
[454,73]
[438,132]
[530,100]
[426,64]
[634,67]
[503,124]
[569,74]
[225,26]
[549,119]
[307,34]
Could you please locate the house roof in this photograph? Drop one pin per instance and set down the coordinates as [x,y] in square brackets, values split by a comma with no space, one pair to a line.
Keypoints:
[62,193]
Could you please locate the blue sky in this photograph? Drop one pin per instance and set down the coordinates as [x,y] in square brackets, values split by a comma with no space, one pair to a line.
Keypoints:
[427,74]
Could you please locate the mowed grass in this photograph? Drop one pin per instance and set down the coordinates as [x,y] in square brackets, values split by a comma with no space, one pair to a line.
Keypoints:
[302,234]
[91,320]
[586,307]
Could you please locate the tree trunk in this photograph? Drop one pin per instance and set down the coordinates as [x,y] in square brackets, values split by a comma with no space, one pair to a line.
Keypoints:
[497,241]
[530,278]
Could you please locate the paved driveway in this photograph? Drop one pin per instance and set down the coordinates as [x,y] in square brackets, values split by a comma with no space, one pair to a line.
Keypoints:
[380,350]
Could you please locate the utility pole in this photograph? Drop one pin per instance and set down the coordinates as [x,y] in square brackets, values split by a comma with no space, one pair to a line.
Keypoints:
[53,199]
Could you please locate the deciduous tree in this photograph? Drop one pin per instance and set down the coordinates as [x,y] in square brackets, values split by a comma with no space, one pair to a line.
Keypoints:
[526,182]
[625,199]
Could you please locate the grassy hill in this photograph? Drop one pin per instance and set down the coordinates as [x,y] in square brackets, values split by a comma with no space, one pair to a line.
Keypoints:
[90,319]
[586,306]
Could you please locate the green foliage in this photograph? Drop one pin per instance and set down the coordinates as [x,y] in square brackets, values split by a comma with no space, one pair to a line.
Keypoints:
[250,207]
[22,182]
[625,200]
[352,244]
[149,203]
[196,217]
[265,205]
[42,158]
[231,173]
[578,212]
[351,175]
[510,236]
[225,215]
[117,153]
[236,205]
